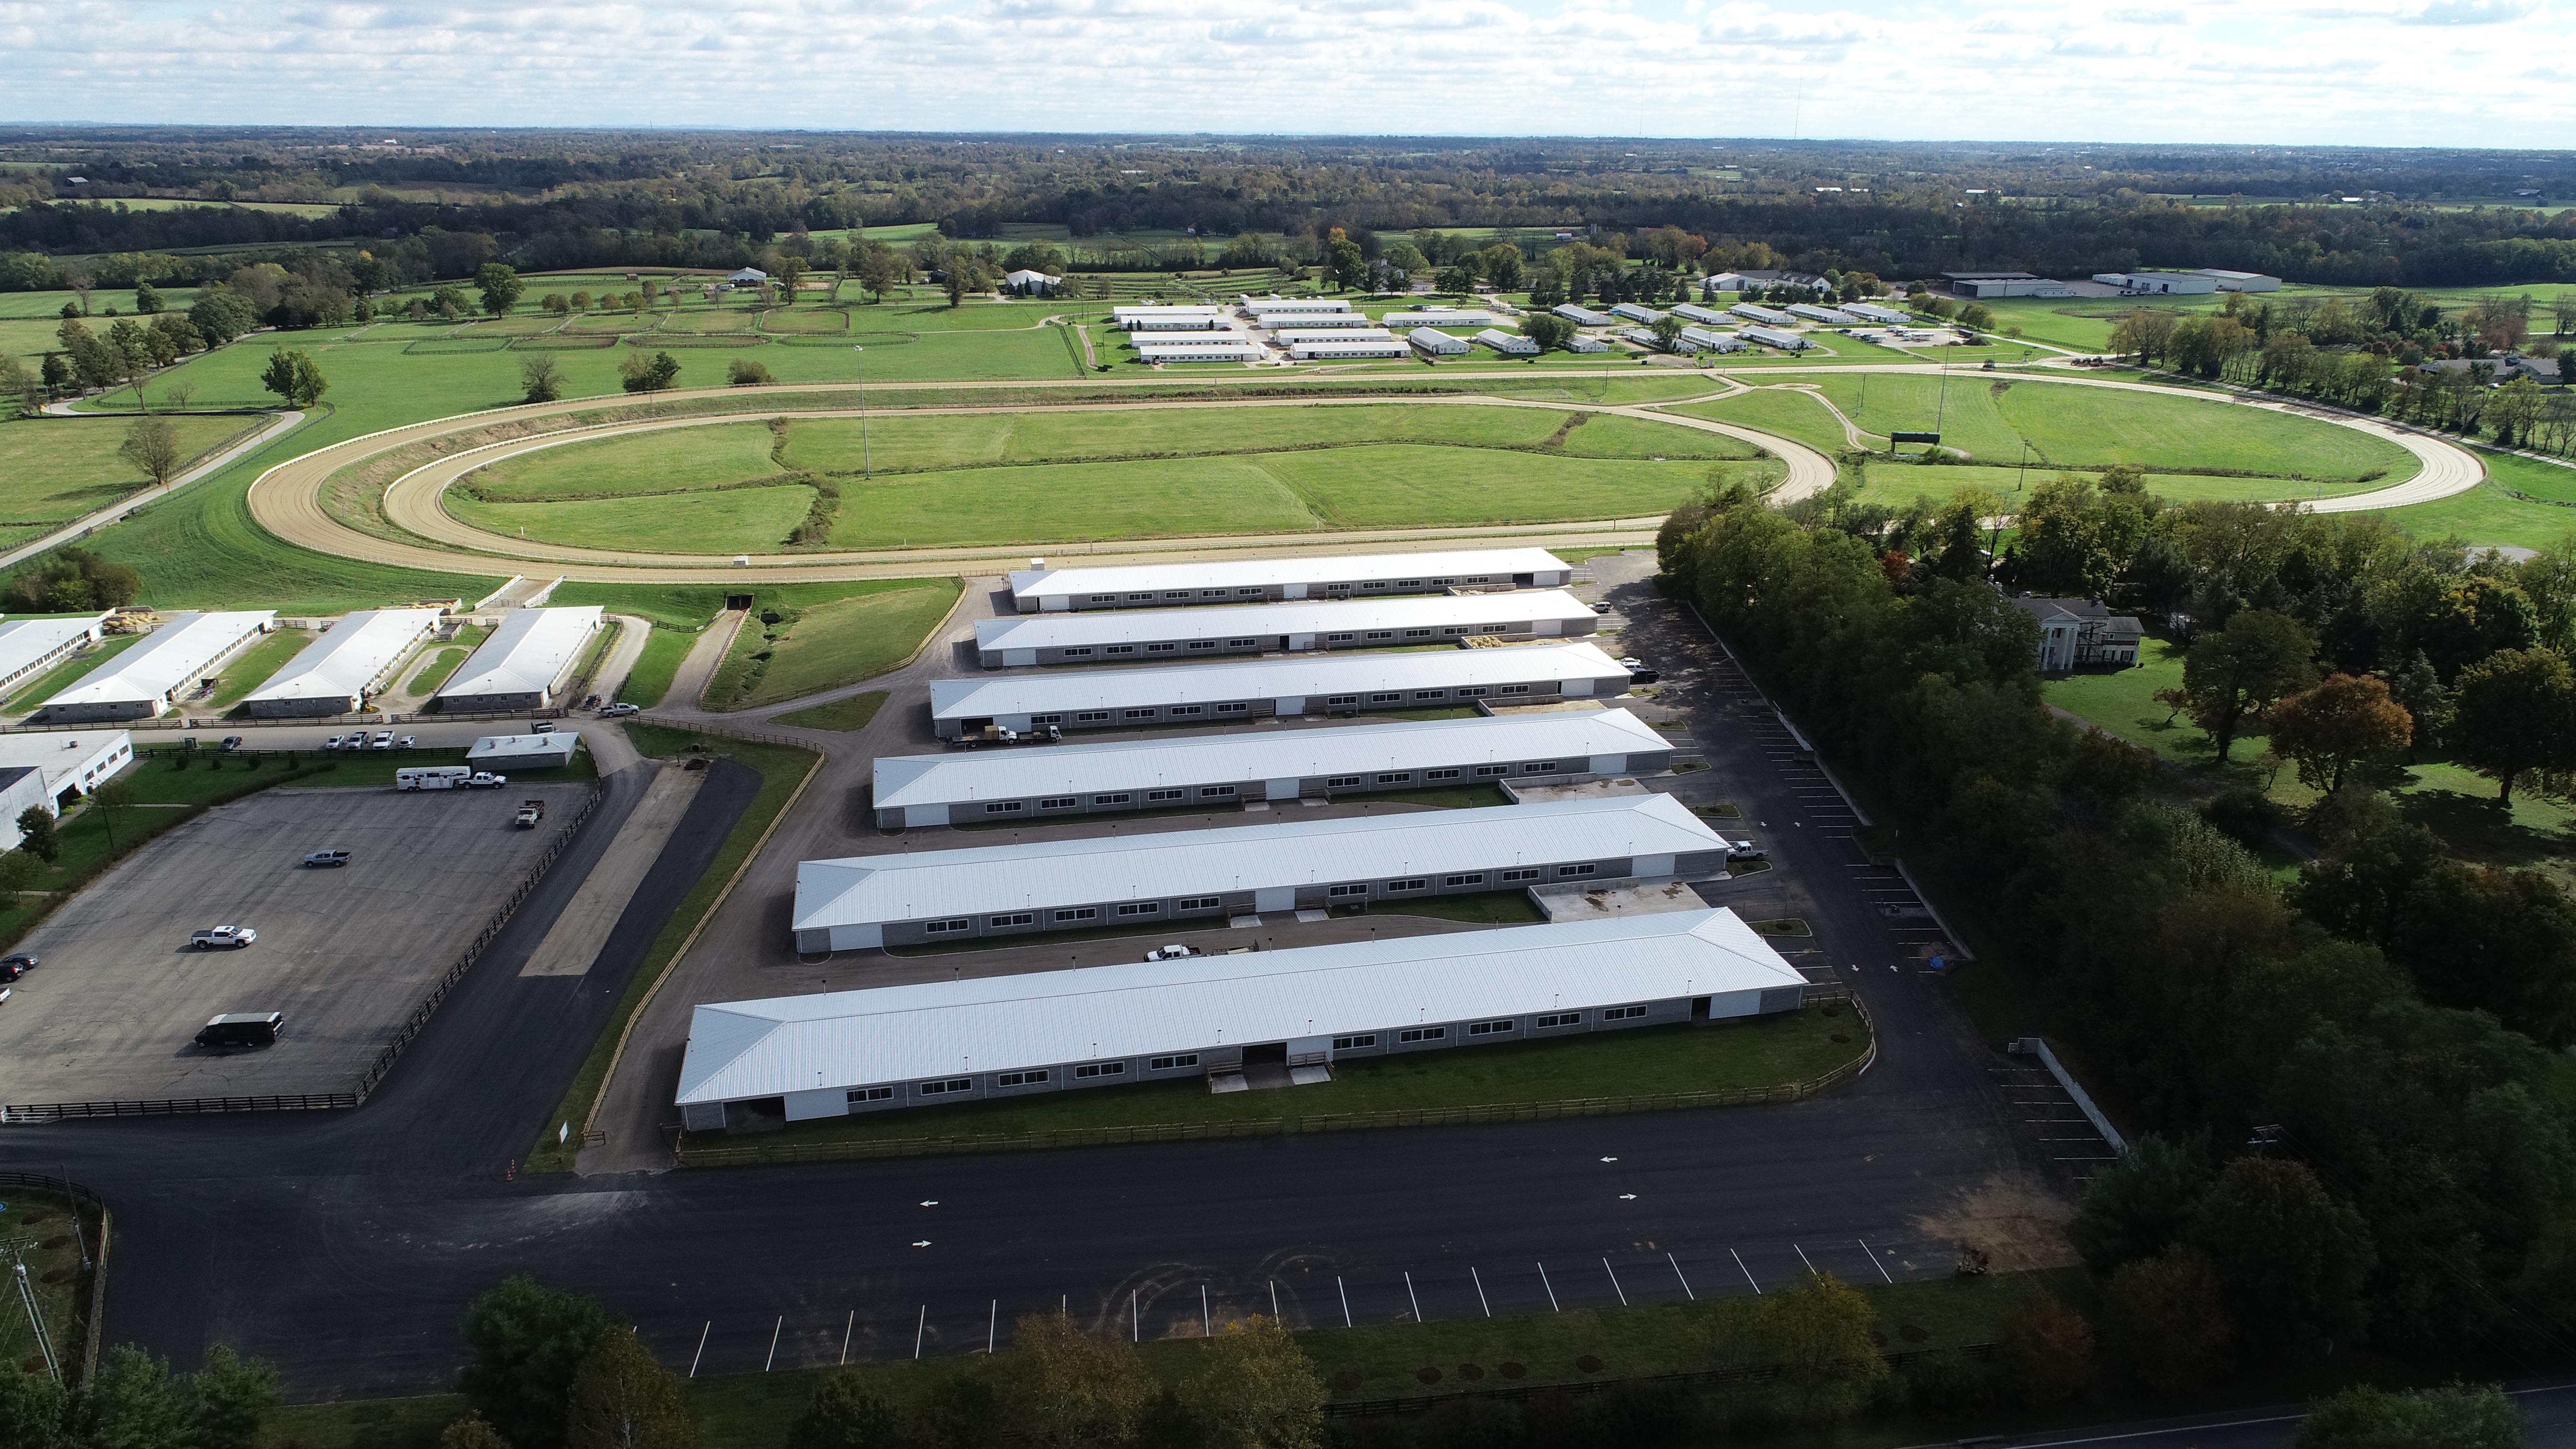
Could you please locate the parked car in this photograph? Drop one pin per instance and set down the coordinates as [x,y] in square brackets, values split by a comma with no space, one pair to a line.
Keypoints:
[384,740]
[1601,608]
[357,741]
[1173,952]
[224,938]
[1744,852]
[15,965]
[530,812]
[1643,676]
[333,743]
[329,857]
[1631,661]
[542,727]
[404,743]
[621,707]
[230,744]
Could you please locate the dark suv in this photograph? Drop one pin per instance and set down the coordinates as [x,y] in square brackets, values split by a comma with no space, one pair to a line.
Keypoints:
[13,967]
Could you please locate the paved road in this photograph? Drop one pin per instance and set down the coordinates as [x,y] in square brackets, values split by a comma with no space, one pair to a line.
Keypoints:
[2548,1421]
[344,1247]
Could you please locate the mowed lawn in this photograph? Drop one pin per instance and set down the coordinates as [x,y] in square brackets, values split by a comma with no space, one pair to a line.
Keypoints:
[1751,1054]
[54,469]
[975,479]
[830,644]
[2066,425]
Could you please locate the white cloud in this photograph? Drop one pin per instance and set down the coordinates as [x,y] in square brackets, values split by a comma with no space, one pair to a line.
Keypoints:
[2298,71]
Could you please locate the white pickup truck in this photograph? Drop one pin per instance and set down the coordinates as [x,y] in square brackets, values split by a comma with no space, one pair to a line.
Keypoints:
[224,938]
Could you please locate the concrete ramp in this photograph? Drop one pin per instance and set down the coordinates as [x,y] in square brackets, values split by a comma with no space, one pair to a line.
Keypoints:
[579,933]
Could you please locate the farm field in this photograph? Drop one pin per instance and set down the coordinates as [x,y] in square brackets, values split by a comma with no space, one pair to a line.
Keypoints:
[55,469]
[870,630]
[1098,474]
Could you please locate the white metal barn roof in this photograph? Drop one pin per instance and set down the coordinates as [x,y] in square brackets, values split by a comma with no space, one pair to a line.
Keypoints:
[1752,313]
[1264,306]
[1349,347]
[1153,349]
[527,654]
[1433,340]
[165,659]
[1637,312]
[1333,321]
[1489,565]
[25,643]
[1692,311]
[1312,676]
[1581,343]
[1292,335]
[1701,337]
[923,884]
[1159,310]
[1582,316]
[1876,313]
[1509,342]
[743,1049]
[1441,317]
[1773,337]
[532,752]
[1830,316]
[349,655]
[1134,764]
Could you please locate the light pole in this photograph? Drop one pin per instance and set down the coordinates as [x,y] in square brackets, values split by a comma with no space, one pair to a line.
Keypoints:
[867,465]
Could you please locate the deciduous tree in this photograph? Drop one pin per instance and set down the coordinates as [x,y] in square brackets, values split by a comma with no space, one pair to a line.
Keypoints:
[152,446]
[36,834]
[1075,1388]
[2162,1319]
[2290,1259]
[2233,674]
[2514,717]
[2456,1417]
[2143,1203]
[1818,1331]
[843,1413]
[540,379]
[1259,1390]
[500,286]
[639,373]
[2340,723]
[622,1399]
[525,1342]
[293,376]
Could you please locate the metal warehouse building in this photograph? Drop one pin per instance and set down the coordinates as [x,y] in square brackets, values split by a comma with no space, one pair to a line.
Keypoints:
[1510,344]
[903,899]
[1291,336]
[1220,347]
[73,764]
[1694,312]
[1773,337]
[1219,692]
[1637,312]
[159,670]
[353,659]
[30,646]
[525,661]
[1752,313]
[1245,581]
[1350,347]
[843,1052]
[1145,635]
[1439,344]
[1216,769]
[1167,319]
[1582,316]
[1441,317]
[1701,339]
[1830,316]
[549,751]
[1875,313]
[1266,307]
[1318,322]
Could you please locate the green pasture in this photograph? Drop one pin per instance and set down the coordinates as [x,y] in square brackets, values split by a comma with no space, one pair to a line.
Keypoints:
[56,469]
[2490,514]
[982,478]
[252,667]
[1993,417]
[873,629]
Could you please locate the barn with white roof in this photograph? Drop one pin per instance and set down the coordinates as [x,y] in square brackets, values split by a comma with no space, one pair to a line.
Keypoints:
[839,1053]
[905,898]
[1162,772]
[1322,576]
[526,661]
[1221,692]
[354,658]
[30,646]
[1112,636]
[165,667]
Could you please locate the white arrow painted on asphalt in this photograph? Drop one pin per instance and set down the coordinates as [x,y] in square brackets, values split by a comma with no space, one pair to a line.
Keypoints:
[921,1242]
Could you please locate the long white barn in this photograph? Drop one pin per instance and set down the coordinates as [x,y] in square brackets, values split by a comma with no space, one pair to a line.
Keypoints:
[909,897]
[1162,772]
[159,670]
[1225,692]
[527,659]
[1244,581]
[335,673]
[844,1052]
[1111,636]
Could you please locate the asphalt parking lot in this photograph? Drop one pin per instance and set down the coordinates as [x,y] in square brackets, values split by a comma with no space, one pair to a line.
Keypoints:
[345,953]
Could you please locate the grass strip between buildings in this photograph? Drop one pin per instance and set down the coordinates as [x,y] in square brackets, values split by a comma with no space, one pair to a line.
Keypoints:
[1768,1059]
[784,769]
[853,713]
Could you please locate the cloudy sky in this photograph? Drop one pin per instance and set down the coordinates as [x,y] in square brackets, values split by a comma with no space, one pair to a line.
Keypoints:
[2400,72]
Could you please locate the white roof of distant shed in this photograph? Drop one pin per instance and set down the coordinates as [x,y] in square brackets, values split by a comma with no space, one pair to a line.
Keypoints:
[1294,335]
[928,884]
[741,1049]
[349,654]
[1176,309]
[1293,754]
[1435,340]
[527,653]
[1313,677]
[168,657]
[1488,563]
[1260,305]
[26,641]
[1439,317]
[506,747]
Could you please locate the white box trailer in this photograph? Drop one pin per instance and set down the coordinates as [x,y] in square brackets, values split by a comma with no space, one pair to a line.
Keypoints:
[432,777]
